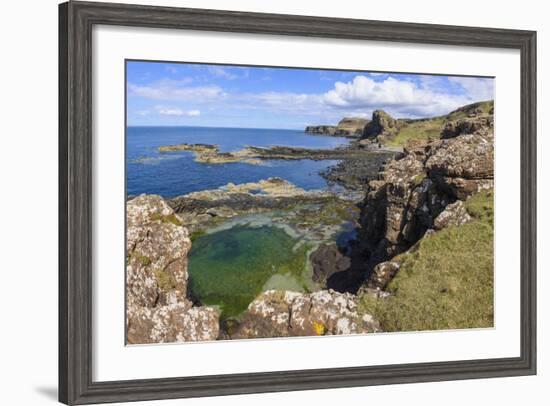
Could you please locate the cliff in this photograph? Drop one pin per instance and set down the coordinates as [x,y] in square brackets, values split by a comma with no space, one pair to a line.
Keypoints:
[321,129]
[416,187]
[347,127]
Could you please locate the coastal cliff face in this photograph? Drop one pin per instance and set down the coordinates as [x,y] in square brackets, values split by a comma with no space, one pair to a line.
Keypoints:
[158,309]
[347,127]
[420,257]
[321,129]
[421,190]
[351,126]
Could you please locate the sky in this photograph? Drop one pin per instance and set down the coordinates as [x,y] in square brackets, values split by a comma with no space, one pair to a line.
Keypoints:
[183,94]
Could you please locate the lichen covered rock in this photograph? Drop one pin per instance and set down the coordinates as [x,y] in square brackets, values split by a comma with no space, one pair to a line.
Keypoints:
[455,214]
[284,313]
[156,277]
[421,190]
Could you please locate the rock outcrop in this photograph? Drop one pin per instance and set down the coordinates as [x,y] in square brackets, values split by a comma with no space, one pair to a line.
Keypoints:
[347,127]
[455,214]
[157,306]
[284,314]
[321,129]
[382,126]
[421,190]
[469,125]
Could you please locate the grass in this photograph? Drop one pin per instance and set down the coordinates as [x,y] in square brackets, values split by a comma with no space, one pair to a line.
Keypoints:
[484,106]
[425,130]
[447,283]
[418,130]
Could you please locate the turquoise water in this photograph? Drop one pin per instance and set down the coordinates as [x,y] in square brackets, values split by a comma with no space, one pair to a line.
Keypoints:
[229,268]
[176,173]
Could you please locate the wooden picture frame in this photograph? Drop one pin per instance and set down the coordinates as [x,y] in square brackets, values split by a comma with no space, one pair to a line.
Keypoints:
[76,20]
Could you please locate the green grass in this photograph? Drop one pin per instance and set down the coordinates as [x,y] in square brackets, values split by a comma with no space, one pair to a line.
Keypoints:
[418,130]
[484,106]
[431,128]
[447,283]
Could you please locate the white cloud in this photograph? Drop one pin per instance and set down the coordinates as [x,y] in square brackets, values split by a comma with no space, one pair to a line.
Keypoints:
[398,97]
[228,73]
[178,112]
[175,90]
[423,96]
[477,88]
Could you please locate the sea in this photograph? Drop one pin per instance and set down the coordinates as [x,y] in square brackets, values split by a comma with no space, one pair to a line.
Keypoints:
[172,174]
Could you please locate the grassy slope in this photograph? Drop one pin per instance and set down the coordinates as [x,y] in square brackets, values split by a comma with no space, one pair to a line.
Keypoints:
[447,283]
[431,128]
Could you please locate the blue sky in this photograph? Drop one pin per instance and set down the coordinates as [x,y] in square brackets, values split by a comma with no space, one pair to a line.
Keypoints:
[176,94]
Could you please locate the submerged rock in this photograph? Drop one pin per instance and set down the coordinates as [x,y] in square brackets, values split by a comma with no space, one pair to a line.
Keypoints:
[157,307]
[284,314]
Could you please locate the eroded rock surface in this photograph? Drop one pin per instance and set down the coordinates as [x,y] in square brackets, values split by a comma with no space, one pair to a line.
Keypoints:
[455,214]
[285,313]
[382,126]
[422,189]
[157,307]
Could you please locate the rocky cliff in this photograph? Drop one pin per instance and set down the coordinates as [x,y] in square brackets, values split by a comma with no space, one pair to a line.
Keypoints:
[382,126]
[321,129]
[419,189]
[157,307]
[347,127]
[351,126]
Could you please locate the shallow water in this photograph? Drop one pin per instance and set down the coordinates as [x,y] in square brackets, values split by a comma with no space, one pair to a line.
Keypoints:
[176,173]
[230,267]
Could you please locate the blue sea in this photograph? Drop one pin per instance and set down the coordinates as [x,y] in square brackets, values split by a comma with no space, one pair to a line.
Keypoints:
[176,173]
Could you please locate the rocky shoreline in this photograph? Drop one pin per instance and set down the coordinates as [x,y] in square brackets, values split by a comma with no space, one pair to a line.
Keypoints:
[207,153]
[399,201]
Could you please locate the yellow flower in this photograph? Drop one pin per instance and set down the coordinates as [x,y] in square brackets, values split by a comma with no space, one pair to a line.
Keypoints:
[319,328]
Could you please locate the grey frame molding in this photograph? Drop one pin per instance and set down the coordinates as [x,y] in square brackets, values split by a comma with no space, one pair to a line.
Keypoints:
[76,20]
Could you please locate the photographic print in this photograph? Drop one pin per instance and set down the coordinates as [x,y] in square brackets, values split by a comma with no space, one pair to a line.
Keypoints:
[268,202]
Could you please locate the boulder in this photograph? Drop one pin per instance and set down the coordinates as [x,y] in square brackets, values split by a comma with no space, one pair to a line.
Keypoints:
[468,156]
[454,214]
[176,322]
[285,313]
